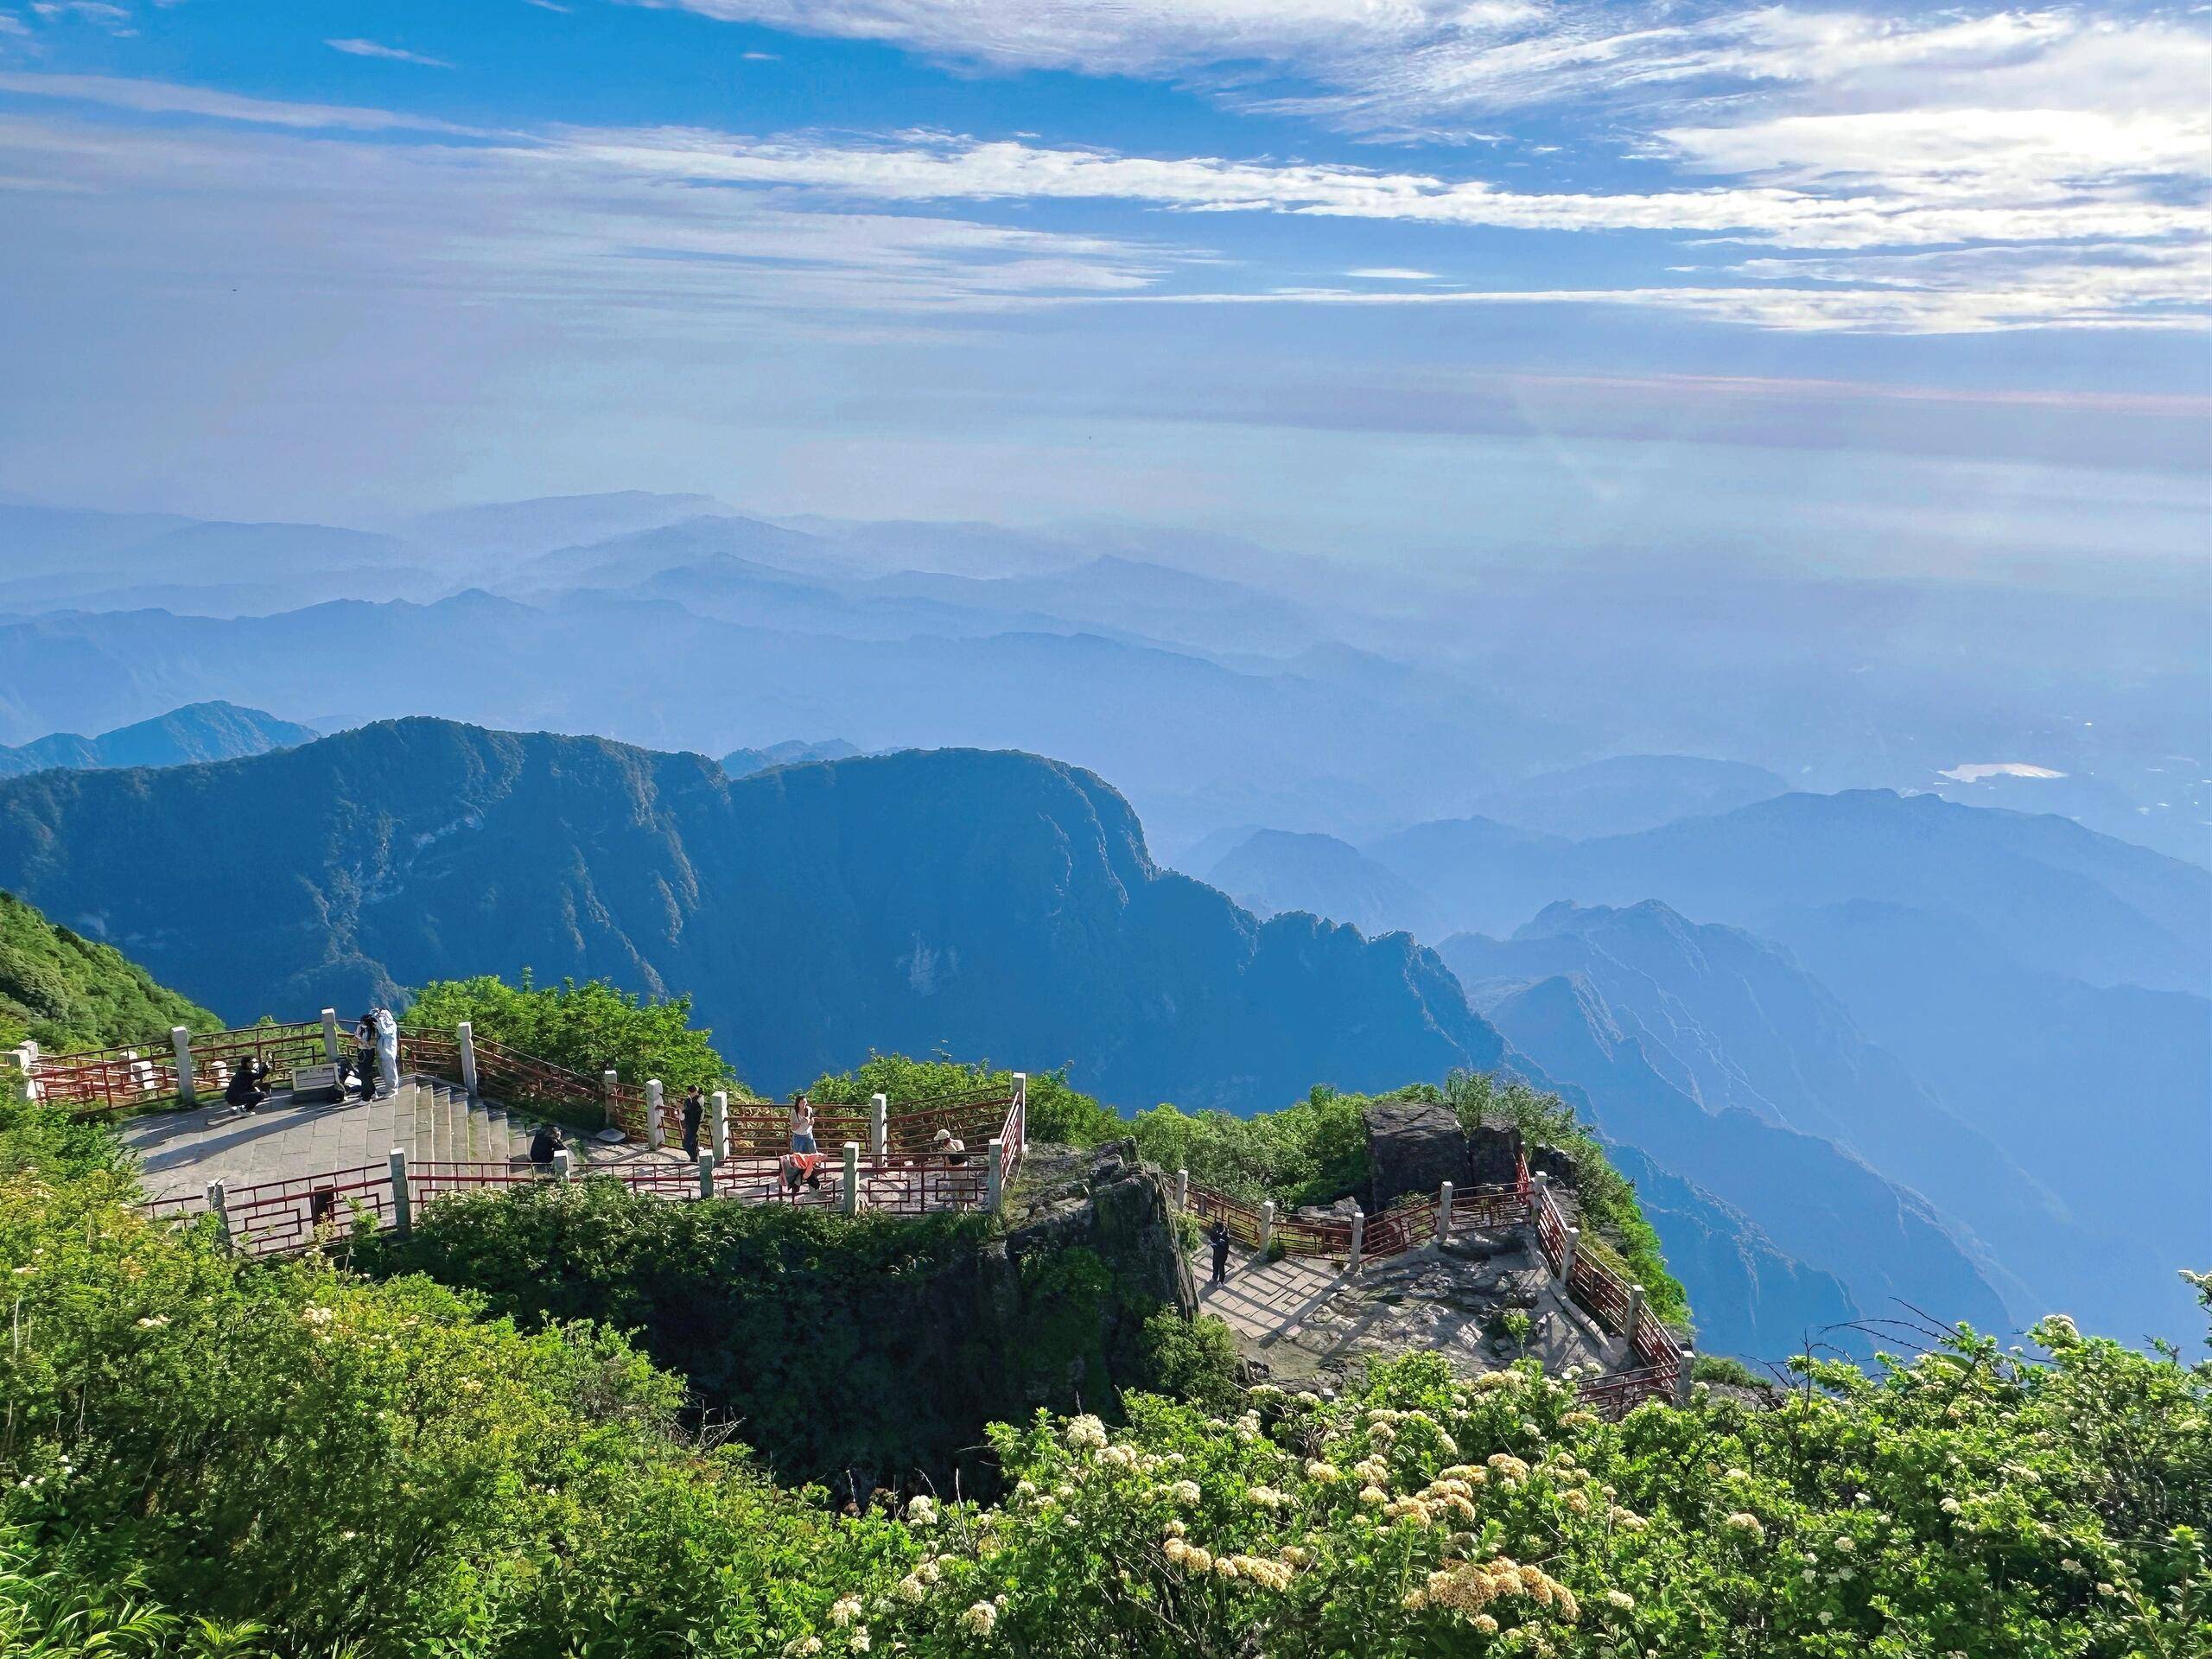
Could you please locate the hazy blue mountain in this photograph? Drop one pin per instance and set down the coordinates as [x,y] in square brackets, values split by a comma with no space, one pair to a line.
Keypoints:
[1751,1298]
[720,541]
[1269,746]
[1129,596]
[511,530]
[1626,793]
[200,731]
[1817,1203]
[37,540]
[743,763]
[996,904]
[56,559]
[2051,894]
[2104,1093]
[1734,1022]
[2174,823]
[1274,870]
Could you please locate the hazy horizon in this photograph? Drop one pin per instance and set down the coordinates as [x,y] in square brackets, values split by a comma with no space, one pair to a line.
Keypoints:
[1407,285]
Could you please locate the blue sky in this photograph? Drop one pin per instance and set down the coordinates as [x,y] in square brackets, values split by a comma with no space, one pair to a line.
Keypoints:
[1386,278]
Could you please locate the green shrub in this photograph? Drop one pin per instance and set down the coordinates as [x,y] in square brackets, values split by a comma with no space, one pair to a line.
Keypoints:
[1719,1368]
[381,1467]
[1193,1360]
[1056,1112]
[66,992]
[590,1027]
[1312,1152]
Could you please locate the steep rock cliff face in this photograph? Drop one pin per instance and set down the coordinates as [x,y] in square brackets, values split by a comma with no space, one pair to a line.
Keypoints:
[991,903]
[852,1353]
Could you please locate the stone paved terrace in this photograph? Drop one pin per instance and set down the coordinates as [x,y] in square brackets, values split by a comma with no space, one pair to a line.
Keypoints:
[1311,1323]
[180,1152]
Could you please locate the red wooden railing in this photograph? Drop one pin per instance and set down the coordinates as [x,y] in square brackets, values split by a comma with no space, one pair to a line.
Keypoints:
[122,1079]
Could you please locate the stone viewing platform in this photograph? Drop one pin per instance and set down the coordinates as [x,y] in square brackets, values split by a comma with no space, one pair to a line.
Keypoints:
[1470,1252]
[312,1164]
[290,1140]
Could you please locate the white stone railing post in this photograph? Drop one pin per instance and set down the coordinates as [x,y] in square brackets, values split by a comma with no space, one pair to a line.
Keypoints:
[464,1036]
[330,1035]
[995,1177]
[706,1174]
[853,1177]
[1444,1213]
[1021,1114]
[1685,1360]
[564,1168]
[1266,1226]
[188,1086]
[1566,1260]
[219,1206]
[1358,1239]
[878,1127]
[609,1081]
[722,1125]
[1635,1314]
[1182,1189]
[403,1204]
[652,1113]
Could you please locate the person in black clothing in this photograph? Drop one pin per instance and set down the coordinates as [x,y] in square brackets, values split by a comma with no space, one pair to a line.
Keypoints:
[545,1143]
[695,1103]
[1217,1235]
[364,1053]
[244,1090]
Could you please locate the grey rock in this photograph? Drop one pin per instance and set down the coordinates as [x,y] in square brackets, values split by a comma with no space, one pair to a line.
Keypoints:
[1412,1147]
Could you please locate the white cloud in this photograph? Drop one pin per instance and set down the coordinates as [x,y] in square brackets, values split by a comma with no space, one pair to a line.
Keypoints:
[166,97]
[543,228]
[2043,239]
[1966,150]
[359,48]
[116,20]
[1814,131]
[929,168]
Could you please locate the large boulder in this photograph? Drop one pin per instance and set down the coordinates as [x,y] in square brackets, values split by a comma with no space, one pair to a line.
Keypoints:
[1554,1162]
[1412,1147]
[1493,1155]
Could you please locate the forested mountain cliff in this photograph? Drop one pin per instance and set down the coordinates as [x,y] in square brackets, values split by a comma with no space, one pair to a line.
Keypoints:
[988,902]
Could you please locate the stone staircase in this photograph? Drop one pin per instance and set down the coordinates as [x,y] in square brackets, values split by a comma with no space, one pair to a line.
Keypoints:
[438,1124]
[288,1140]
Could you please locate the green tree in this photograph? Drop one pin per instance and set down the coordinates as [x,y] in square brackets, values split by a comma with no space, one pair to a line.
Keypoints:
[1057,1111]
[589,1026]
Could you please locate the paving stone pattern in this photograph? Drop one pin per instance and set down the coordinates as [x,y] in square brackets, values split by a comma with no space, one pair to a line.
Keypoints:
[180,1152]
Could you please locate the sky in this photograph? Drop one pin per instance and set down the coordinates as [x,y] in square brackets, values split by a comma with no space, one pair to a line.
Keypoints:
[1388,280]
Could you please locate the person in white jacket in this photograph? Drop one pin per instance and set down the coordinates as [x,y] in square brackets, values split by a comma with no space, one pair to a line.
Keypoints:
[387,1051]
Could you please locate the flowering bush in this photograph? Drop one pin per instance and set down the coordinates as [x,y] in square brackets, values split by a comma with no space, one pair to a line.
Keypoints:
[377,1467]
[1961,1504]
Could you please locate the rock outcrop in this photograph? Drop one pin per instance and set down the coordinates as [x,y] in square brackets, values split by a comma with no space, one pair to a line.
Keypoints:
[1412,1147]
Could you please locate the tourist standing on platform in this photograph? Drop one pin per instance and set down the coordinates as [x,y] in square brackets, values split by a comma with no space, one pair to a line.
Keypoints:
[365,1052]
[1218,1235]
[695,1106]
[387,1052]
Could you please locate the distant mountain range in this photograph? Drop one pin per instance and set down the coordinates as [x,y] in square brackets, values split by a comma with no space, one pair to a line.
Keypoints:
[1260,741]
[199,731]
[743,763]
[1935,992]
[1627,792]
[1511,683]
[1000,904]
[992,903]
